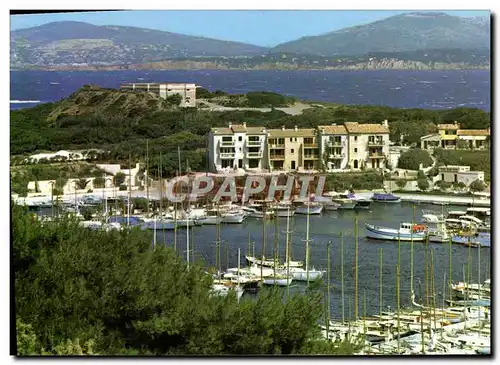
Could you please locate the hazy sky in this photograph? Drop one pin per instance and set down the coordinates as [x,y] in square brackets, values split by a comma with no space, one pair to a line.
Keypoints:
[265,28]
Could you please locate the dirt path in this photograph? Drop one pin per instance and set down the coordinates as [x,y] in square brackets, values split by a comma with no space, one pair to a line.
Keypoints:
[295,109]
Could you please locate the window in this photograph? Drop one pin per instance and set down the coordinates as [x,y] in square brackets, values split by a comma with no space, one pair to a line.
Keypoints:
[355,138]
[240,138]
[355,150]
[240,164]
[292,151]
[293,165]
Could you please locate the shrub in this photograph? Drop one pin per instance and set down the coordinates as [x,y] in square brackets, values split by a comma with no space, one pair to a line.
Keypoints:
[477,185]
[401,183]
[443,185]
[412,159]
[119,179]
[123,187]
[423,184]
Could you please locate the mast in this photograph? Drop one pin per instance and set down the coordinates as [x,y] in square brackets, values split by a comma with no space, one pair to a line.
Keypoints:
[239,260]
[160,213]
[356,268]
[275,253]
[307,244]
[381,303]
[187,239]
[342,272]
[129,190]
[147,174]
[154,237]
[411,252]
[328,305]
[288,252]
[263,241]
[217,242]
[398,268]
[449,268]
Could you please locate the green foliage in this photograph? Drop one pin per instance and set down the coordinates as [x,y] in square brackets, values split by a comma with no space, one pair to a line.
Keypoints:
[98,182]
[82,183]
[459,185]
[412,159]
[477,185]
[174,99]
[119,179]
[140,203]
[477,160]
[423,184]
[123,187]
[360,181]
[401,183]
[443,185]
[421,175]
[83,291]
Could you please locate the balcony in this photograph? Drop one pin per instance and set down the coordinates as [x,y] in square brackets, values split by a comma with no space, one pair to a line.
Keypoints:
[276,145]
[227,143]
[254,154]
[375,143]
[276,157]
[226,155]
[336,155]
[335,143]
[376,155]
[310,145]
[254,143]
[311,157]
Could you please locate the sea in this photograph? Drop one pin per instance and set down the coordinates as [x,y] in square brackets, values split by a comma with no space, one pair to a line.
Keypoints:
[395,88]
[402,89]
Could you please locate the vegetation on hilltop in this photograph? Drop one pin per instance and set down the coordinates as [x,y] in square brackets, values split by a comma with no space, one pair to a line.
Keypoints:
[125,133]
[81,291]
[252,99]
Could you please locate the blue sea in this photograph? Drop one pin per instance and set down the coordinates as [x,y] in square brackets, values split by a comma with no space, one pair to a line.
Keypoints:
[394,88]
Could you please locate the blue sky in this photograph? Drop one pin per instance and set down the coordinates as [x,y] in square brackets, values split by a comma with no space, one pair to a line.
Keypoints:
[265,28]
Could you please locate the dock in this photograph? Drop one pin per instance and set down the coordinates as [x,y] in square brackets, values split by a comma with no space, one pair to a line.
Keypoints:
[445,199]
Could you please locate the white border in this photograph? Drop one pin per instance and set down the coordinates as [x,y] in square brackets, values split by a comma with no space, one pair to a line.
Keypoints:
[194,4]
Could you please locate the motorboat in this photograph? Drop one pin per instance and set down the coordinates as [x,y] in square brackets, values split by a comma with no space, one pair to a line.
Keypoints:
[309,208]
[479,239]
[406,232]
[361,203]
[232,217]
[283,210]
[342,200]
[385,198]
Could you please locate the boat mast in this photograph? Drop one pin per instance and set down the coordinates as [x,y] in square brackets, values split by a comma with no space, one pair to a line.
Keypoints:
[288,252]
[380,281]
[449,268]
[342,273]
[263,241]
[129,191]
[411,251]
[275,249]
[147,174]
[239,260]
[217,242]
[187,239]
[154,237]
[356,268]
[328,309]
[398,268]
[307,243]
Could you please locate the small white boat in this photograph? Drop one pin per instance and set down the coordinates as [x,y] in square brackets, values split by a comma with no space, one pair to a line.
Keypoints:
[280,280]
[283,210]
[233,218]
[300,274]
[309,209]
[343,200]
[270,263]
[160,225]
[223,290]
[406,232]
[188,222]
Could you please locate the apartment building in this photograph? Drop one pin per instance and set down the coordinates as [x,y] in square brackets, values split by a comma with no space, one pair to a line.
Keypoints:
[351,146]
[334,147]
[164,90]
[450,136]
[368,145]
[237,147]
[293,149]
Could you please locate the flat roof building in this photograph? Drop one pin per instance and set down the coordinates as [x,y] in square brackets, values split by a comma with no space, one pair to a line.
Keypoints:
[164,90]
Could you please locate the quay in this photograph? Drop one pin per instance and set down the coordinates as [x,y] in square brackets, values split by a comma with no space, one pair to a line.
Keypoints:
[478,201]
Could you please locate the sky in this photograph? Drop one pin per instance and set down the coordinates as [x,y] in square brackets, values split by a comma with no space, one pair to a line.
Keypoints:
[264,28]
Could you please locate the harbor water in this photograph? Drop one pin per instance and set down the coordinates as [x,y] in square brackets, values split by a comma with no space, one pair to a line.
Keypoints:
[327,227]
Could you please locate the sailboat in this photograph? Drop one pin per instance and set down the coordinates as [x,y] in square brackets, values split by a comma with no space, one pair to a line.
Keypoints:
[306,274]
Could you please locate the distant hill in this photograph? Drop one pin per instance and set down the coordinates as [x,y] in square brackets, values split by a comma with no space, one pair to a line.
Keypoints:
[400,33]
[77,43]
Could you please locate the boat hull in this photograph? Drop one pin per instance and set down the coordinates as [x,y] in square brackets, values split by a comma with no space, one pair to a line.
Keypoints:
[363,204]
[302,275]
[311,210]
[278,281]
[160,226]
[380,233]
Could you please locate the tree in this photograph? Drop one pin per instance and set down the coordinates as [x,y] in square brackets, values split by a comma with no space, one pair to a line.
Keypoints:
[477,185]
[401,183]
[98,182]
[412,159]
[119,179]
[81,184]
[443,185]
[423,184]
[121,297]
[174,99]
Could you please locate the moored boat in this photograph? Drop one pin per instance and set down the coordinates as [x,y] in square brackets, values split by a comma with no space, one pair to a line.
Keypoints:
[309,209]
[406,232]
[385,198]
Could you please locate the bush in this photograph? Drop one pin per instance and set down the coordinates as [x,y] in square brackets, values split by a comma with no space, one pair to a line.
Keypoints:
[423,184]
[411,159]
[477,185]
[443,185]
[119,179]
[401,183]
[123,187]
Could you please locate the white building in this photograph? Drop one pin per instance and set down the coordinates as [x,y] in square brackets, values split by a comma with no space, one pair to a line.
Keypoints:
[237,147]
[457,174]
[368,145]
[334,147]
[164,90]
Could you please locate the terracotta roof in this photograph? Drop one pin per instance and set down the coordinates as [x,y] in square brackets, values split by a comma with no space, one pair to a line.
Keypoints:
[309,132]
[332,129]
[355,127]
[238,128]
[473,132]
[455,126]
